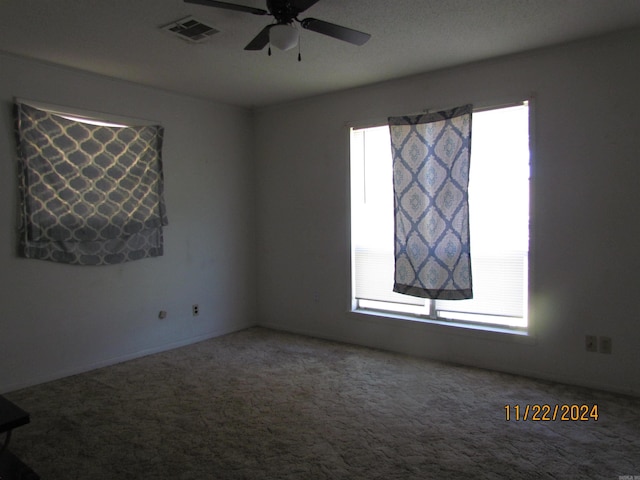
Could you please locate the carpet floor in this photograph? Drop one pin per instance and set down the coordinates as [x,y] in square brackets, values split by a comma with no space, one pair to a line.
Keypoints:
[260,404]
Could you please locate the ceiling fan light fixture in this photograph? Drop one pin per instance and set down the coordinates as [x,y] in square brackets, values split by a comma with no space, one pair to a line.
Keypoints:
[283,36]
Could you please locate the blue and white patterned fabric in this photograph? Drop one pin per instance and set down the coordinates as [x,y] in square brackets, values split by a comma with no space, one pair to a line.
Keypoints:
[90,194]
[431,155]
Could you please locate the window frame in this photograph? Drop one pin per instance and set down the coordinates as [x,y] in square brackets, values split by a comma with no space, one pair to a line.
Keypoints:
[428,314]
[88,116]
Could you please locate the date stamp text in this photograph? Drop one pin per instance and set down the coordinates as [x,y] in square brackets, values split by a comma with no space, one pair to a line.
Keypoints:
[550,413]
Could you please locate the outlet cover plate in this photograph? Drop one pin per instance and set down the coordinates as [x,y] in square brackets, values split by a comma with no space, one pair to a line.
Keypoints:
[605,345]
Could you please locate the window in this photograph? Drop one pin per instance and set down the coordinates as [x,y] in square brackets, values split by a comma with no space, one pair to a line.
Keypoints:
[91,191]
[498,219]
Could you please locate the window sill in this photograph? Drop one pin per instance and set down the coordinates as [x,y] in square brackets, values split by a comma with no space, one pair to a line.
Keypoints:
[450,327]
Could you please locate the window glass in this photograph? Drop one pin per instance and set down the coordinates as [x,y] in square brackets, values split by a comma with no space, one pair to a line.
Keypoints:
[499,223]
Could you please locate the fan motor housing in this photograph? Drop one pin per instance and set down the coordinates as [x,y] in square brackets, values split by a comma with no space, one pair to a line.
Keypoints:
[282,11]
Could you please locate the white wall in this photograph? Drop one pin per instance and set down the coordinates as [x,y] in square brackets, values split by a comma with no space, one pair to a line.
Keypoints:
[585,260]
[58,319]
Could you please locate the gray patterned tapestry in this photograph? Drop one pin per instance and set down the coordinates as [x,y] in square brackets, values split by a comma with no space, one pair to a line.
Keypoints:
[90,194]
[430,179]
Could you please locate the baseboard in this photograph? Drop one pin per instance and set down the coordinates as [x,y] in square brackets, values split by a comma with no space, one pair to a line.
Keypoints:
[118,359]
[534,374]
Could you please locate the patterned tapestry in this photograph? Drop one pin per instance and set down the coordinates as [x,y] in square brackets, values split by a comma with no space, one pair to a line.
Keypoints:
[430,179]
[90,194]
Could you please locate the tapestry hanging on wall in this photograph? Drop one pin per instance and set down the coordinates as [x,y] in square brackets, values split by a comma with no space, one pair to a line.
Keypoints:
[90,194]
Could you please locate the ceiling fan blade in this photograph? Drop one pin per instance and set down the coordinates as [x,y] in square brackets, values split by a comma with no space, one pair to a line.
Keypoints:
[335,31]
[229,6]
[302,5]
[261,40]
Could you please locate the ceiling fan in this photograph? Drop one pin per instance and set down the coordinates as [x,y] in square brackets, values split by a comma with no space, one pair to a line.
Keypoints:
[282,33]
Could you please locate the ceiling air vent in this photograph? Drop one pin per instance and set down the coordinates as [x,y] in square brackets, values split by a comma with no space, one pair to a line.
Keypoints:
[190,30]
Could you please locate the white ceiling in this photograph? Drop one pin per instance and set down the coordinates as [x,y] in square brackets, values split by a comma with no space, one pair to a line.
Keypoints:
[121,38]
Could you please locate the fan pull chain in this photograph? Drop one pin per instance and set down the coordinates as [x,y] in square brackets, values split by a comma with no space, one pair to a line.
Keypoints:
[269,50]
[299,55]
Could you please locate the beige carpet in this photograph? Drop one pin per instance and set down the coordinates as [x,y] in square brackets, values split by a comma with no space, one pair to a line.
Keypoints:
[259,404]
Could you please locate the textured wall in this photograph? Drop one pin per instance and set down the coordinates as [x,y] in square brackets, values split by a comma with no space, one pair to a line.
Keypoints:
[59,319]
[585,199]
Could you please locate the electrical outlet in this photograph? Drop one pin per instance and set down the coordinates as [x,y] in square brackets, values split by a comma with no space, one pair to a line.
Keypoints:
[605,344]
[591,343]
[195,310]
[162,314]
